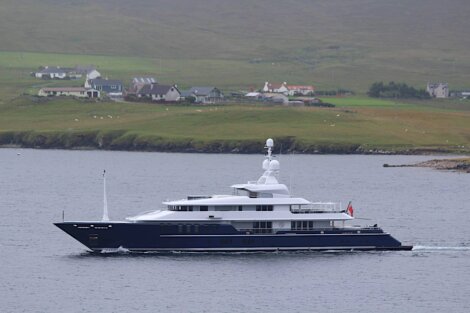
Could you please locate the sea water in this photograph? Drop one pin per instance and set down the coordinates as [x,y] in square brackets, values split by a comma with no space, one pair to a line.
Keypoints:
[44,270]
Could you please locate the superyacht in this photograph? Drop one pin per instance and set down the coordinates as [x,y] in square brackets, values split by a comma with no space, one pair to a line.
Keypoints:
[258,215]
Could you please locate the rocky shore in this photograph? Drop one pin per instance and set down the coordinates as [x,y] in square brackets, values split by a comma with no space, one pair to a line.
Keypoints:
[460,164]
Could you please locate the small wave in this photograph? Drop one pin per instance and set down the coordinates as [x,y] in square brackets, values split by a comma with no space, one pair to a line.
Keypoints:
[437,248]
[119,250]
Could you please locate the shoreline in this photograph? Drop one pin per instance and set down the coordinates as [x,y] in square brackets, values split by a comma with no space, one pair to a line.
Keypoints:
[126,141]
[457,164]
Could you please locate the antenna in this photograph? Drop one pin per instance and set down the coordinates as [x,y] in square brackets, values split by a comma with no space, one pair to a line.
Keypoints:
[269,145]
[271,167]
[105,199]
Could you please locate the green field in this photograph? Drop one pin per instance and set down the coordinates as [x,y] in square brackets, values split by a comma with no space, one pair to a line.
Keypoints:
[358,124]
[67,123]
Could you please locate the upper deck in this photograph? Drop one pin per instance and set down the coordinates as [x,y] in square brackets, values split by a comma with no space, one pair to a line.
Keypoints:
[264,199]
[230,200]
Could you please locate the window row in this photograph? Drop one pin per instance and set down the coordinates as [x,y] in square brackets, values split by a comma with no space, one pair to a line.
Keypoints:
[302,225]
[216,208]
[262,227]
[187,208]
[264,208]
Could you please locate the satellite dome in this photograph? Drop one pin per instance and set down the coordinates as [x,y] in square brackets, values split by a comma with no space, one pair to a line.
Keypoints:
[274,165]
[266,164]
[269,143]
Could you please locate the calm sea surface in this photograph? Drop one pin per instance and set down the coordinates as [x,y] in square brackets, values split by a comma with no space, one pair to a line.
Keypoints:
[44,270]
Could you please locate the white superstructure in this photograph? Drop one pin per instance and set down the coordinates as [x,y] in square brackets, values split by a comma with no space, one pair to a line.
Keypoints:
[262,206]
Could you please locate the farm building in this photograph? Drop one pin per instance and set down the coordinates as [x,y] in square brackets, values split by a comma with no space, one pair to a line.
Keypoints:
[79,92]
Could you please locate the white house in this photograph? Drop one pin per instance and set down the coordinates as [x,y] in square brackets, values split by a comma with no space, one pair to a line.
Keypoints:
[157,92]
[92,74]
[438,90]
[276,88]
[51,72]
[57,72]
[300,90]
[79,92]
[89,71]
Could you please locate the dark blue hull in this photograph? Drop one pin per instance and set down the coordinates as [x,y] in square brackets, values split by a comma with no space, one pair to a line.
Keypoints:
[220,237]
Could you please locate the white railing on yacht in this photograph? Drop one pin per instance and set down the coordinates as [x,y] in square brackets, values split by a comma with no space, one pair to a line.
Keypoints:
[316,207]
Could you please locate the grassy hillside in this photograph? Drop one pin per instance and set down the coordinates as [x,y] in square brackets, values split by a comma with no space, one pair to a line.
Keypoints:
[238,45]
[347,43]
[359,126]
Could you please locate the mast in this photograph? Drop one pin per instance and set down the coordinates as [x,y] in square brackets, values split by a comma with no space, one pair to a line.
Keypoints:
[105,200]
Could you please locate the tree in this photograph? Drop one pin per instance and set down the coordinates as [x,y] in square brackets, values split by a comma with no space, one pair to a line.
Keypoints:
[396,90]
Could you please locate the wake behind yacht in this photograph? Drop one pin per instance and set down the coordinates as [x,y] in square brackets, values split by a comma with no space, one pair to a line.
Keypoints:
[259,215]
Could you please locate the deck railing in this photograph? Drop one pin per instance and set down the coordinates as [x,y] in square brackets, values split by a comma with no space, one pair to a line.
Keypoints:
[317,207]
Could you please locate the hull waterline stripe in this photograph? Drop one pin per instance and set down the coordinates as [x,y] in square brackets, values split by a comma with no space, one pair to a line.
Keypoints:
[267,248]
[280,235]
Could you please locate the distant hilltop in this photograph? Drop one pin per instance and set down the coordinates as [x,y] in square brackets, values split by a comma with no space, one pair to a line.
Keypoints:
[346,43]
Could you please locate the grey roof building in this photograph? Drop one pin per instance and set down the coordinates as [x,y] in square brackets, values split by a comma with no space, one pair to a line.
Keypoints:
[155,89]
[186,93]
[51,72]
[204,94]
[52,69]
[139,82]
[158,92]
[110,86]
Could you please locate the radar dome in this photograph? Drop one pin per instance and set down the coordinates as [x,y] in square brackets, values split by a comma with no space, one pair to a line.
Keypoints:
[269,143]
[266,164]
[274,165]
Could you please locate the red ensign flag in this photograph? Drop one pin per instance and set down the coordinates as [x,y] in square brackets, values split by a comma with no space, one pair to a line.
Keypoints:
[350,209]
